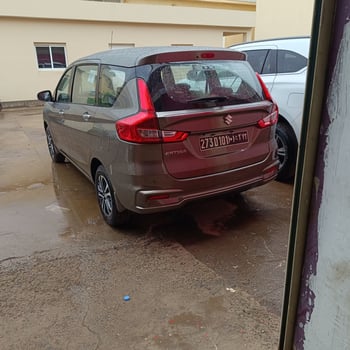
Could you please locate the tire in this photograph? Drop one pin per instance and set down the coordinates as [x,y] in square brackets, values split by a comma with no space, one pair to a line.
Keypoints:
[56,156]
[286,151]
[106,200]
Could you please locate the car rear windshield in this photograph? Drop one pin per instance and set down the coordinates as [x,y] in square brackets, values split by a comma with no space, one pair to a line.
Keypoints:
[190,85]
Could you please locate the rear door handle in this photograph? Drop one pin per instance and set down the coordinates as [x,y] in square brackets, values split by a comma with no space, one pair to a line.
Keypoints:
[86,116]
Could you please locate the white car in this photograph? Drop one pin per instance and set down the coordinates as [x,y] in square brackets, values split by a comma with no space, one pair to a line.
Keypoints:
[282,64]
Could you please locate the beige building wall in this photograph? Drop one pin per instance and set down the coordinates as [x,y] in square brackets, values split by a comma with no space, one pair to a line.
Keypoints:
[281,18]
[85,27]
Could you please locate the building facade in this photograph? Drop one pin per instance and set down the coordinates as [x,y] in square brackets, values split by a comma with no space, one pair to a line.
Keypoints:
[283,18]
[40,38]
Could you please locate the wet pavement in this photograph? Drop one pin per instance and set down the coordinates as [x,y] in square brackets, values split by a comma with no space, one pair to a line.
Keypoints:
[207,276]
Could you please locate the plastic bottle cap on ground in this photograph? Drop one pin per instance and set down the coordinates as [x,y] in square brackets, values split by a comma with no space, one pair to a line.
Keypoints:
[126,298]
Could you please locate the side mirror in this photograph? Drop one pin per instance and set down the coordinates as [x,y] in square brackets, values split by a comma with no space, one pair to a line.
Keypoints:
[45,96]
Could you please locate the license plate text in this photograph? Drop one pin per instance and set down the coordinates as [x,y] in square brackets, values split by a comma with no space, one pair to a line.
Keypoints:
[216,141]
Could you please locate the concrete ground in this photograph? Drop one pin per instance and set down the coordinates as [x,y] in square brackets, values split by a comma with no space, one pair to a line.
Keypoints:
[208,276]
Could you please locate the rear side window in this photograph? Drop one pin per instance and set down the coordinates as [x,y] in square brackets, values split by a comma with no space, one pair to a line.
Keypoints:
[189,85]
[117,88]
[127,102]
[85,83]
[289,61]
[257,59]
[111,81]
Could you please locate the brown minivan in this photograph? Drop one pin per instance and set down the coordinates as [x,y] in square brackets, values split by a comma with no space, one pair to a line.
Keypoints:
[156,127]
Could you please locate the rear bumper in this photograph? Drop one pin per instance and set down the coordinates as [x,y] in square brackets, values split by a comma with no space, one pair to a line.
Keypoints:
[180,192]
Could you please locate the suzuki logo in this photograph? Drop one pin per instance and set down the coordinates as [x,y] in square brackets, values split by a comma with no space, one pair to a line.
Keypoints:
[228,119]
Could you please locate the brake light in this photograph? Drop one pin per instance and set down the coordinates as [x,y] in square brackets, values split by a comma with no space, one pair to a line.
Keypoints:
[272,118]
[143,127]
[269,120]
[208,55]
[265,90]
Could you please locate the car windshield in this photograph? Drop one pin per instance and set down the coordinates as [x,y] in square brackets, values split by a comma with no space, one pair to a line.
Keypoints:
[189,85]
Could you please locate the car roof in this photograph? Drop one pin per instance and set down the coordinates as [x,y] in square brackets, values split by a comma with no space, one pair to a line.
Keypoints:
[130,57]
[298,44]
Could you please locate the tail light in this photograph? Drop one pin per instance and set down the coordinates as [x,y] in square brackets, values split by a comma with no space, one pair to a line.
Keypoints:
[269,120]
[143,127]
[272,118]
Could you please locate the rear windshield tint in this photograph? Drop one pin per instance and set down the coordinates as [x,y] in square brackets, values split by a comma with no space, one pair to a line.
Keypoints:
[189,85]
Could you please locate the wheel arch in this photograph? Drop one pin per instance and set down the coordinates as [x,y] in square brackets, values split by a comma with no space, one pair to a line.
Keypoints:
[285,122]
[95,163]
[287,149]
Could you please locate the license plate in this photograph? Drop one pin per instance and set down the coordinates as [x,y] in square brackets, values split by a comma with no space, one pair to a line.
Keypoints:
[223,140]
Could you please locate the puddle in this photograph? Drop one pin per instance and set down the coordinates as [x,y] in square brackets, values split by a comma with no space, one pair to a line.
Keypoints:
[38,216]
[23,215]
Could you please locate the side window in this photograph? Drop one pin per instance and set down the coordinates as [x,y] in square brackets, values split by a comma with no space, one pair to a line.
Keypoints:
[256,58]
[84,86]
[63,87]
[289,61]
[50,56]
[270,65]
[111,82]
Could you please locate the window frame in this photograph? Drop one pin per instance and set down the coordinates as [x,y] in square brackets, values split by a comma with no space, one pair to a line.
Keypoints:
[50,47]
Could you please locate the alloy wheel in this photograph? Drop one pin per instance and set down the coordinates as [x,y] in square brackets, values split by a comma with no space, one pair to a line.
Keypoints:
[281,151]
[104,195]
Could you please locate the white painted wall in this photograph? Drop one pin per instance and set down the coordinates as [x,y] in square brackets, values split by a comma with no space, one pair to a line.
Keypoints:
[88,26]
[21,78]
[329,324]
[281,18]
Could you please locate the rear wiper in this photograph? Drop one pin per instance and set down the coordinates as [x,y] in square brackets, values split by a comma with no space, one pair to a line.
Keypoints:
[209,99]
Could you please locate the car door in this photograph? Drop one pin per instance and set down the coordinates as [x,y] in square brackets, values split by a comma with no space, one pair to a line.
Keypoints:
[58,109]
[80,120]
